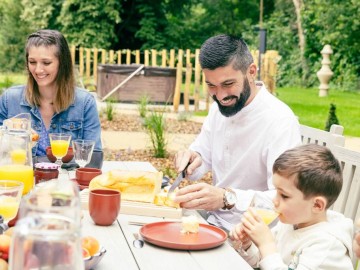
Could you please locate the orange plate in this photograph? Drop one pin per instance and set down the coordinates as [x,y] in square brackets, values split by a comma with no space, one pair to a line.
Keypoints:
[167,234]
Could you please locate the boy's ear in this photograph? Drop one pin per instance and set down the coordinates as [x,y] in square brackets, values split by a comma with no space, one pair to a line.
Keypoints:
[319,204]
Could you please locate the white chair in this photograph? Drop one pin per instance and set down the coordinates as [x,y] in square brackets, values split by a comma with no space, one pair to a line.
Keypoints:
[322,137]
[349,198]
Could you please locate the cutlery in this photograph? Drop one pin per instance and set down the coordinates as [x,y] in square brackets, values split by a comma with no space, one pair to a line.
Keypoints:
[138,242]
[177,181]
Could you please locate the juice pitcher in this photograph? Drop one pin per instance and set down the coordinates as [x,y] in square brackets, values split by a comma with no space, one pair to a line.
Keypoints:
[15,151]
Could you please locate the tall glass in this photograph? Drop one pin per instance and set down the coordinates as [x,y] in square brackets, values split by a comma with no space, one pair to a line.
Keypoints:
[59,146]
[10,197]
[264,207]
[46,241]
[83,150]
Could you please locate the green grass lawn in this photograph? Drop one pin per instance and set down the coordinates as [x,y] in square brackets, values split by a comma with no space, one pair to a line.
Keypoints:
[313,110]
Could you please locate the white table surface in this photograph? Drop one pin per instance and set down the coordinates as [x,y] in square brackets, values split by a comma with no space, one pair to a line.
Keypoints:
[121,254]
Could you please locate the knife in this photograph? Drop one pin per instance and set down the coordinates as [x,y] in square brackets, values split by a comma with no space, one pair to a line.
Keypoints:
[177,181]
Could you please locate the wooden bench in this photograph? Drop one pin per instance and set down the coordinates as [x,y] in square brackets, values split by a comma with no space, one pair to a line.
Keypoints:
[322,137]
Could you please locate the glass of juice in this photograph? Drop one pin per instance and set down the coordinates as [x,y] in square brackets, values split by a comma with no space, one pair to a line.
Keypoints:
[59,145]
[264,207]
[10,197]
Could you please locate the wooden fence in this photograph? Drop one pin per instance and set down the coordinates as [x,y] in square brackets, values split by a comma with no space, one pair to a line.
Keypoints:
[189,78]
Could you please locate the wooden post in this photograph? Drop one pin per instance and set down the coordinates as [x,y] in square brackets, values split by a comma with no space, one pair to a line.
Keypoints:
[146,58]
[188,56]
[197,80]
[153,58]
[187,86]
[95,65]
[119,57]
[103,56]
[172,58]
[81,61]
[73,51]
[178,83]
[163,62]
[128,57]
[137,57]
[111,57]
[88,63]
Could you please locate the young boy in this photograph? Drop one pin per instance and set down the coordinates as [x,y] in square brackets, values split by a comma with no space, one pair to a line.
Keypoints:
[308,180]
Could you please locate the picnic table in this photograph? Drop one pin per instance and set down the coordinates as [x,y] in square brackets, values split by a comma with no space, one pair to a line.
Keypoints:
[121,254]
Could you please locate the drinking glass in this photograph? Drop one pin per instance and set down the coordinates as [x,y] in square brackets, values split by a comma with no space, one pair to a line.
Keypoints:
[10,197]
[264,207]
[83,150]
[46,241]
[59,145]
[53,197]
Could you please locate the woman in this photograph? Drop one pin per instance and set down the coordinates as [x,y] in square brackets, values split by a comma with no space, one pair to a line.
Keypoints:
[56,105]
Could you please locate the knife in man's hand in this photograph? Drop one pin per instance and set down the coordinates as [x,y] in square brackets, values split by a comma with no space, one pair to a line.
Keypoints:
[177,181]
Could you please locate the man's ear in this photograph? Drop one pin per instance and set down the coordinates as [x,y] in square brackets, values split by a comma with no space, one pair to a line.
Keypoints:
[252,72]
[319,204]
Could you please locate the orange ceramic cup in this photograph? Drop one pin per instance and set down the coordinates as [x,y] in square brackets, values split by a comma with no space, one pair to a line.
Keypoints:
[104,206]
[85,175]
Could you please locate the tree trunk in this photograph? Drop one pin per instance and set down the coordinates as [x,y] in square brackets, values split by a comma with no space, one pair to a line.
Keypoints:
[302,42]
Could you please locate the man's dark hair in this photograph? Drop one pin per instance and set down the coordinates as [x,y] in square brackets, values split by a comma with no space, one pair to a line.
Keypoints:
[222,50]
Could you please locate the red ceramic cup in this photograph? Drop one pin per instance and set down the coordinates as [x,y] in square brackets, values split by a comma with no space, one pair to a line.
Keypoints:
[85,175]
[104,206]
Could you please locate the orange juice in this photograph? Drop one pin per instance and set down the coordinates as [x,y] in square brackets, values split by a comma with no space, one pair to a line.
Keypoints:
[267,215]
[8,207]
[59,148]
[18,156]
[22,173]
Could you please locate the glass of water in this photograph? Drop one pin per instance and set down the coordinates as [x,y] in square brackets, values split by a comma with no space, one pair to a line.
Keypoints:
[83,150]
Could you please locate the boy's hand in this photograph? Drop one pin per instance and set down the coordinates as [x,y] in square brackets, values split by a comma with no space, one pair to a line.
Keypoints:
[259,232]
[239,237]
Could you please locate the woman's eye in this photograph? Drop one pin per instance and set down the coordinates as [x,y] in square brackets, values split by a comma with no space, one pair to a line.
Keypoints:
[47,63]
[284,196]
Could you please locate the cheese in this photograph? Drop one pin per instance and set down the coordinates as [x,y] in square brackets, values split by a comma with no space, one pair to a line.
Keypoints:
[133,185]
[189,224]
[163,199]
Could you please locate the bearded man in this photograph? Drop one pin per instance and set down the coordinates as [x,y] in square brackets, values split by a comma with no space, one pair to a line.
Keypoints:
[246,130]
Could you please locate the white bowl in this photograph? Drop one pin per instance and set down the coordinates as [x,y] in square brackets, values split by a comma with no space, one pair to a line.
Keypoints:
[92,261]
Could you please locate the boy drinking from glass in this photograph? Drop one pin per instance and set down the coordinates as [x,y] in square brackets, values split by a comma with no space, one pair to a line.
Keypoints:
[308,180]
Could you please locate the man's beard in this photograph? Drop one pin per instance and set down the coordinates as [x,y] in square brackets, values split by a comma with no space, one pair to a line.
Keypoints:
[239,104]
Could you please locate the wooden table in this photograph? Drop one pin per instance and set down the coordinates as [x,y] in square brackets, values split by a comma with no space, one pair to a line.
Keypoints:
[121,254]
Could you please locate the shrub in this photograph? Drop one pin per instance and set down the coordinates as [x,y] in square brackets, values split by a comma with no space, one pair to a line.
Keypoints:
[142,106]
[155,126]
[332,119]
[110,110]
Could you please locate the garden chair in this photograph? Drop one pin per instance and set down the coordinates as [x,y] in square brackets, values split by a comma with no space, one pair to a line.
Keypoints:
[322,137]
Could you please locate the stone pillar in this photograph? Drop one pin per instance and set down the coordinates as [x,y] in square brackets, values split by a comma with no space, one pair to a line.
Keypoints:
[325,73]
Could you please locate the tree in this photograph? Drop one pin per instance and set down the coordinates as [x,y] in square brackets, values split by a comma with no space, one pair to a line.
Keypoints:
[13,34]
[90,23]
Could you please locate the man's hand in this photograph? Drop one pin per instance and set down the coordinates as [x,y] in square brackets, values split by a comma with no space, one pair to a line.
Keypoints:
[182,158]
[200,196]
[259,232]
[356,245]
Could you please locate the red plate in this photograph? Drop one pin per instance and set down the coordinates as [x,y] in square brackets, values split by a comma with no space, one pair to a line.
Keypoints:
[167,234]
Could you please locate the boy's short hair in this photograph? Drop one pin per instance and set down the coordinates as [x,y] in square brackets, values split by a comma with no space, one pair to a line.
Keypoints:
[315,170]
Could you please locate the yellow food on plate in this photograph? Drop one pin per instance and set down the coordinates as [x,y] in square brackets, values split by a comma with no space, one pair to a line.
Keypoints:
[189,224]
[140,186]
[163,199]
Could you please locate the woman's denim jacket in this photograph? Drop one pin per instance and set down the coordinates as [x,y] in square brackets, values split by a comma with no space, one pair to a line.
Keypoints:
[81,119]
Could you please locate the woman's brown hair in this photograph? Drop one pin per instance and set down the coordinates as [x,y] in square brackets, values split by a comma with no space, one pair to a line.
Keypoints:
[65,79]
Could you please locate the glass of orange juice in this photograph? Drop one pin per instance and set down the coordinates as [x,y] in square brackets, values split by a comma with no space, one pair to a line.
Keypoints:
[264,207]
[10,197]
[59,145]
